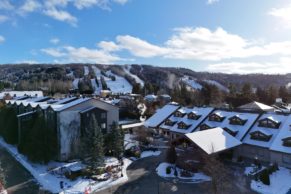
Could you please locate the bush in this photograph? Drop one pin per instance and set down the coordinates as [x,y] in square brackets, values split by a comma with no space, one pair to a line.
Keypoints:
[265,177]
[168,170]
[273,168]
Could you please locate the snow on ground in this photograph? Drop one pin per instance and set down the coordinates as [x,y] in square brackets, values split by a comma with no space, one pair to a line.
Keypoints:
[192,83]
[86,70]
[97,90]
[76,83]
[218,85]
[145,154]
[120,85]
[195,178]
[135,77]
[51,181]
[129,141]
[280,183]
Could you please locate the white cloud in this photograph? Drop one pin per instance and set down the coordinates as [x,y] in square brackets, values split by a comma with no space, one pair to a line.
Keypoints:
[122,2]
[202,44]
[108,46]
[54,40]
[61,15]
[280,67]
[3,18]
[2,39]
[54,52]
[140,48]
[29,6]
[6,5]
[212,1]
[81,4]
[82,54]
[283,13]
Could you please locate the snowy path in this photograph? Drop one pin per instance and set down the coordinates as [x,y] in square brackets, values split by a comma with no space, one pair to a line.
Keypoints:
[135,77]
[97,90]
[86,70]
[76,83]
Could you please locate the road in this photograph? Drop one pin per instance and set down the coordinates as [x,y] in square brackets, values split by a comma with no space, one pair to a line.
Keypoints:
[19,180]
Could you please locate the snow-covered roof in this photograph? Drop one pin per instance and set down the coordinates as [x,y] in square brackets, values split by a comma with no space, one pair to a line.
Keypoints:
[268,131]
[21,93]
[203,112]
[256,106]
[285,132]
[150,97]
[241,129]
[160,115]
[45,105]
[213,140]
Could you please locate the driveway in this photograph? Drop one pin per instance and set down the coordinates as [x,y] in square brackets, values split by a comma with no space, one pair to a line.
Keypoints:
[143,179]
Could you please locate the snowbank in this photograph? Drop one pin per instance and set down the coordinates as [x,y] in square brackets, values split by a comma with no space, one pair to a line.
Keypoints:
[51,181]
[280,183]
[145,154]
[195,178]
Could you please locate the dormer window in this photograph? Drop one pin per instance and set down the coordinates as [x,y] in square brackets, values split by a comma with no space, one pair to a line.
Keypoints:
[204,127]
[179,113]
[286,142]
[193,116]
[216,117]
[269,123]
[230,131]
[169,122]
[236,120]
[261,136]
[182,125]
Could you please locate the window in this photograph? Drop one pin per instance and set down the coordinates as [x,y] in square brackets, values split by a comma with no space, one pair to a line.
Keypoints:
[237,121]
[231,132]
[178,114]
[193,116]
[287,142]
[286,159]
[168,122]
[260,136]
[183,125]
[204,127]
[216,118]
[269,123]
[103,126]
[103,115]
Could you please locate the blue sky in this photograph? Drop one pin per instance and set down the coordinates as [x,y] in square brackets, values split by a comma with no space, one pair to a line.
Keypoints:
[247,36]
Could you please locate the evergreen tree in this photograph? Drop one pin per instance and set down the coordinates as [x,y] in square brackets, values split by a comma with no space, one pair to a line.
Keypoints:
[97,149]
[171,156]
[272,95]
[115,141]
[284,94]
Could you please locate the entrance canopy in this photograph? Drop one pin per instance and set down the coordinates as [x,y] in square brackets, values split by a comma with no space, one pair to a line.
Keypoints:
[213,140]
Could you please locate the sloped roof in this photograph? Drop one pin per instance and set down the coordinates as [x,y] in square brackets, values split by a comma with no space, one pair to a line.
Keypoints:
[256,106]
[161,115]
[213,140]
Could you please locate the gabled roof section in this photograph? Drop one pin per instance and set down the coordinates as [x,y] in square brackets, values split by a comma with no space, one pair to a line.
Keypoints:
[213,140]
[241,129]
[256,106]
[161,115]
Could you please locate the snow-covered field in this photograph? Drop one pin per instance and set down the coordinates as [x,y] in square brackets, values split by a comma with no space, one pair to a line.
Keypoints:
[217,84]
[195,178]
[145,154]
[191,83]
[97,90]
[51,181]
[280,182]
[120,85]
[75,83]
[86,70]
[135,77]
